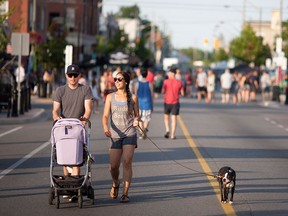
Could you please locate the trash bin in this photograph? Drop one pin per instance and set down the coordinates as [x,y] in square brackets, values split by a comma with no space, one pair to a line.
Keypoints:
[42,89]
[276,93]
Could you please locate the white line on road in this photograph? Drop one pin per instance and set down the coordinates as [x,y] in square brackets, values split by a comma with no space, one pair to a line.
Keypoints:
[10,131]
[26,157]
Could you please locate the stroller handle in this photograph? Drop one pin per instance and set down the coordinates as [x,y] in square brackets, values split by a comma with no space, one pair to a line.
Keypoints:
[87,121]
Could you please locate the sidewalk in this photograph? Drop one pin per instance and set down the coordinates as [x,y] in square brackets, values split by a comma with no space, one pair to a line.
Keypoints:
[36,113]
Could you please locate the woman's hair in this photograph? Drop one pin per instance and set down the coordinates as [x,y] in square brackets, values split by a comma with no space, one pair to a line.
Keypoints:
[129,95]
[144,72]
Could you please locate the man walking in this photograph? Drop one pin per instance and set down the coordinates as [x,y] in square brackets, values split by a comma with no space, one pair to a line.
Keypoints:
[171,88]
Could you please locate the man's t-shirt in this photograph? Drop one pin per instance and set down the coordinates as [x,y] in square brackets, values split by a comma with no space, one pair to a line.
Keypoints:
[172,89]
[72,100]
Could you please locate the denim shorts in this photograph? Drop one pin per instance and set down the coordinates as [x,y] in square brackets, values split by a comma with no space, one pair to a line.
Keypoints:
[117,143]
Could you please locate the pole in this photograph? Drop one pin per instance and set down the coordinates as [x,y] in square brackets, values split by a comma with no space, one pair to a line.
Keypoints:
[281,17]
[18,83]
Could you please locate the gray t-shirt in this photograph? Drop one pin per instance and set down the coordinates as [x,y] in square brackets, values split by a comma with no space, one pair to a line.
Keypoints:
[72,100]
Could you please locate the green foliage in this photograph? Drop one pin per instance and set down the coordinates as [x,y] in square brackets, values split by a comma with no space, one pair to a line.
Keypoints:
[220,55]
[4,39]
[249,48]
[131,12]
[285,37]
[51,54]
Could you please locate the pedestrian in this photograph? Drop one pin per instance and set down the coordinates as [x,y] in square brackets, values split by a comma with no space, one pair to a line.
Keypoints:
[94,88]
[265,83]
[234,89]
[20,75]
[122,108]
[103,84]
[201,84]
[226,82]
[211,87]
[286,88]
[150,76]
[72,100]
[144,92]
[188,83]
[253,85]
[171,89]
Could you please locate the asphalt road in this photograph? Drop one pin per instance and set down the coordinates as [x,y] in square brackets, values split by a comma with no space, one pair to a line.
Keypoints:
[252,139]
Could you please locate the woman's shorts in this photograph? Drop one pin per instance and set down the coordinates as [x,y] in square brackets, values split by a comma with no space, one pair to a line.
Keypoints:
[172,108]
[118,143]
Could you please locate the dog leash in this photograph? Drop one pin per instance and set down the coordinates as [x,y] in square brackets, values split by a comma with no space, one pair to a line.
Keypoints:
[171,159]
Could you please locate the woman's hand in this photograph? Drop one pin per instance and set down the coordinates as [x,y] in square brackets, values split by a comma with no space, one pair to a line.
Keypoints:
[107,133]
[136,122]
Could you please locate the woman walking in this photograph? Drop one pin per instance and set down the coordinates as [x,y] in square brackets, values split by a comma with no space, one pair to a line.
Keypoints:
[122,108]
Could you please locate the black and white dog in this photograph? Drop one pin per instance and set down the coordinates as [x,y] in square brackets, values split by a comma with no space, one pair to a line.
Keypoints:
[227,183]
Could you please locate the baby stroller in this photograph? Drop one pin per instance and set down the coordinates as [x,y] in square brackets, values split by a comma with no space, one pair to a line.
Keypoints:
[70,142]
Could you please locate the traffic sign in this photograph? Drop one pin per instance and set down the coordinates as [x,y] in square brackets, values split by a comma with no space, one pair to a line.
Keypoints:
[20,44]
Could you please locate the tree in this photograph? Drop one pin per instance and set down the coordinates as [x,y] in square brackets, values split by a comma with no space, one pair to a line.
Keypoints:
[51,54]
[249,48]
[4,39]
[285,37]
[220,55]
[131,12]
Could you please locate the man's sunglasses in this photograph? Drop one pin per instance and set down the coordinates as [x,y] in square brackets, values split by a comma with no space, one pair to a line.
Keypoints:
[120,79]
[72,75]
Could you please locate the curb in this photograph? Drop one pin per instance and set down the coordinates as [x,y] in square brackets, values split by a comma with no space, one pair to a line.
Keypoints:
[39,114]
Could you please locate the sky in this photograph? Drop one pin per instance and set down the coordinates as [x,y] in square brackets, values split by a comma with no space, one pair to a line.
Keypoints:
[189,22]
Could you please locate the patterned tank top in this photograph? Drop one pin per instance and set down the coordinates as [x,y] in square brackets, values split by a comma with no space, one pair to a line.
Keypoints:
[121,122]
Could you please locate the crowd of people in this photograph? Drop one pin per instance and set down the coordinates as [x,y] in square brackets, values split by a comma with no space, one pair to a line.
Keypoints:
[129,98]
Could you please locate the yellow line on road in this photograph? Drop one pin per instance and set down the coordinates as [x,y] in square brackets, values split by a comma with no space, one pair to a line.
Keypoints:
[228,209]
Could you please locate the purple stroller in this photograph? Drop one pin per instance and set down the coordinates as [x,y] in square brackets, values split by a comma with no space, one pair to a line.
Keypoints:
[70,142]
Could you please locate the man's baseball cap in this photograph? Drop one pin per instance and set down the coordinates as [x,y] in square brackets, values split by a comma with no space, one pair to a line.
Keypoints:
[73,69]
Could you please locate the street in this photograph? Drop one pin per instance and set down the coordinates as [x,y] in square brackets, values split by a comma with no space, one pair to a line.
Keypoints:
[250,138]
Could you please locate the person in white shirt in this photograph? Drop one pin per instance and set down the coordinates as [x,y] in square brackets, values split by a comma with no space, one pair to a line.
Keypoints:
[201,84]
[226,81]
[20,74]
[265,85]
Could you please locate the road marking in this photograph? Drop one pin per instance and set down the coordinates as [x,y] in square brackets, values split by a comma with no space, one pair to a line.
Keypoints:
[228,209]
[26,157]
[10,131]
[275,123]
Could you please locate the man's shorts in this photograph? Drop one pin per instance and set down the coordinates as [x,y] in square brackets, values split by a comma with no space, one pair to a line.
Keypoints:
[172,108]
[118,143]
[145,115]
[202,89]
[225,91]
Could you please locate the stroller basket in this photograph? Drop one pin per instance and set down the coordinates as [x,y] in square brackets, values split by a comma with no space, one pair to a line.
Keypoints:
[68,181]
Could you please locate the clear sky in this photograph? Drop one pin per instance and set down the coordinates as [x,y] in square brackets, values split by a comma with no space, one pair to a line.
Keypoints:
[189,22]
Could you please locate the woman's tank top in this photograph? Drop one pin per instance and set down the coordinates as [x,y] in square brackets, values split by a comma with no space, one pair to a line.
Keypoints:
[121,123]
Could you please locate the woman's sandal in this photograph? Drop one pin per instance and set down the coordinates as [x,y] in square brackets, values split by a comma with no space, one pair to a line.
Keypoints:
[114,191]
[124,199]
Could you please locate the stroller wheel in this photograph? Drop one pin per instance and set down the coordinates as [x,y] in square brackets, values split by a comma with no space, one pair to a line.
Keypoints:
[91,194]
[80,199]
[51,196]
[57,201]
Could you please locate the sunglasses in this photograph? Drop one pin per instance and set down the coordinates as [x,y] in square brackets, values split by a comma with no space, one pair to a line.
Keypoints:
[72,75]
[120,79]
